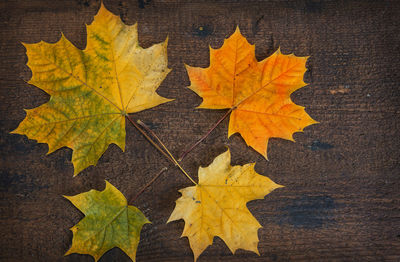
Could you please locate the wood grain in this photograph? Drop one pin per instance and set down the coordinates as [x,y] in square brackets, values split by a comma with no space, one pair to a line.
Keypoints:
[342,177]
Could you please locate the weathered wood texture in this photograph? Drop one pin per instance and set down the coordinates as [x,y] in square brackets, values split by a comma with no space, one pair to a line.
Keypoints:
[341,200]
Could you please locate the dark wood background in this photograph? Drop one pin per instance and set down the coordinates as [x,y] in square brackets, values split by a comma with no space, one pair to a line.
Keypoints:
[342,176]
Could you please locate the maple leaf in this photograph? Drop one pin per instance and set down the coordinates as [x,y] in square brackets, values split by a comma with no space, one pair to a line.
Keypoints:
[109,222]
[216,206]
[257,92]
[92,89]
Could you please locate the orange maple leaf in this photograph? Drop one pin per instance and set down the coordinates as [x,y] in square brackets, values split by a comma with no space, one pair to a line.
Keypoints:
[258,93]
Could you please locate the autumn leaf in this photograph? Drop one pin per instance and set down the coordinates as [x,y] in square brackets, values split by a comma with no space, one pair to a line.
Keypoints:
[109,222]
[257,92]
[216,206]
[93,89]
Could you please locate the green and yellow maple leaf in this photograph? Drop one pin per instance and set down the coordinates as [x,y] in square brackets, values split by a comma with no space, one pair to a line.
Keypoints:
[109,222]
[216,206]
[93,89]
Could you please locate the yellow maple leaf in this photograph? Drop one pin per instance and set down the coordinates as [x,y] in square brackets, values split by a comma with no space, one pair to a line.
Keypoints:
[216,206]
[257,92]
[93,89]
[109,222]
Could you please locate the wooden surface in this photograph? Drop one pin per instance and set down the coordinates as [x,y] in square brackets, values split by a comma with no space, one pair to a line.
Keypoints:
[341,200]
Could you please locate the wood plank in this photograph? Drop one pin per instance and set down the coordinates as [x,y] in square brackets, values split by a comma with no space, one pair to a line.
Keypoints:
[341,200]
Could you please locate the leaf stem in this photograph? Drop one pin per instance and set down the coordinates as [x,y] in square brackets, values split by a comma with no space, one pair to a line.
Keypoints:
[148,184]
[148,138]
[183,155]
[166,153]
[166,149]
